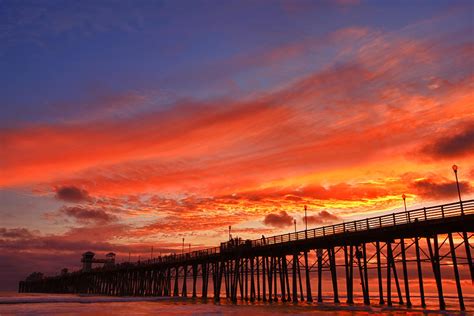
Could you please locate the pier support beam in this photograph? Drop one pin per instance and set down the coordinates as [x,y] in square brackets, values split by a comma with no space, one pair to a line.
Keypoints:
[282,278]
[270,279]
[456,272]
[299,277]
[363,283]
[275,290]
[264,280]
[405,272]
[252,280]
[332,265]
[176,285]
[467,248]
[287,279]
[205,279]
[295,288]
[348,257]
[246,279]
[434,256]
[319,254]
[389,277]
[420,272]
[366,273]
[309,297]
[185,273]
[258,278]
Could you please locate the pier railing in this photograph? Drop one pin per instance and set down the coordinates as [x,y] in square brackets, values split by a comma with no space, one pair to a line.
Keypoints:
[389,220]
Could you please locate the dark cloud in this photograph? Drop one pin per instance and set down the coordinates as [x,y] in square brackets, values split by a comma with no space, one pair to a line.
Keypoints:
[279,220]
[85,214]
[322,217]
[15,233]
[72,194]
[459,144]
[432,189]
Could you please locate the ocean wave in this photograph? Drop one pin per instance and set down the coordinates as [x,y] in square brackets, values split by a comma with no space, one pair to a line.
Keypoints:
[80,299]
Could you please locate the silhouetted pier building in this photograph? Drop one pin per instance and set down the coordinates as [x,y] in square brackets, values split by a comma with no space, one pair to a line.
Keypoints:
[285,267]
[88,259]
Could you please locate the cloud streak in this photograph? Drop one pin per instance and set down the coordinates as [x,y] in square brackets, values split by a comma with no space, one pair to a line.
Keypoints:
[85,214]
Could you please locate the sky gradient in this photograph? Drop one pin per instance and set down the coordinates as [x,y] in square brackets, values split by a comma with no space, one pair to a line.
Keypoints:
[131,124]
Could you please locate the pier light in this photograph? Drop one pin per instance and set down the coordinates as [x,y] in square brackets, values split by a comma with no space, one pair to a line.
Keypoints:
[455,169]
[404,197]
[294,222]
[306,217]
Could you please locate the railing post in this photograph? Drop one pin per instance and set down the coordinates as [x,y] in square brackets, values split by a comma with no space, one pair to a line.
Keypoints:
[394,220]
[424,211]
[442,211]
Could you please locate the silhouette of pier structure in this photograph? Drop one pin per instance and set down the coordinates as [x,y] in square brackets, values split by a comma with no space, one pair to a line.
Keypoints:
[373,254]
[88,259]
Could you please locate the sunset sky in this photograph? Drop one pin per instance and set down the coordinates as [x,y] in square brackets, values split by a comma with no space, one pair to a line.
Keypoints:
[131,124]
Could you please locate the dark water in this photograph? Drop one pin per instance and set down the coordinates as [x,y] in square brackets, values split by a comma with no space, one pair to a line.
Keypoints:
[52,304]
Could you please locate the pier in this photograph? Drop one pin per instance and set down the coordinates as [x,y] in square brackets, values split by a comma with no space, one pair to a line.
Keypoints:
[360,255]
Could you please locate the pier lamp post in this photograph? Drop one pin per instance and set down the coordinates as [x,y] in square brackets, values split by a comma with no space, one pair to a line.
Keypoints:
[455,169]
[306,217]
[230,236]
[404,197]
[183,246]
[294,222]
[189,247]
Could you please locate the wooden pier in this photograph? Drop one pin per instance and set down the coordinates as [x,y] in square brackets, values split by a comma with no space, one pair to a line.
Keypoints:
[375,255]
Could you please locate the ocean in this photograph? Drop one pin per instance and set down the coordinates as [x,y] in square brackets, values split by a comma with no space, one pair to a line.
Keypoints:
[65,304]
